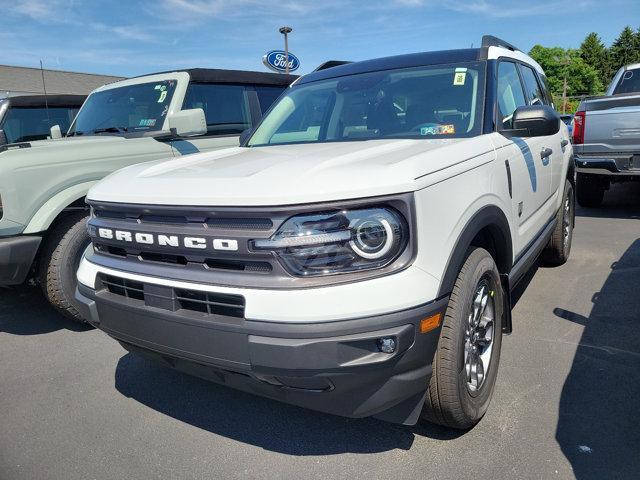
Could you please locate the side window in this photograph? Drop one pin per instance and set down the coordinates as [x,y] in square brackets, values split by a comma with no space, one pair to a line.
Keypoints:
[532,87]
[510,94]
[546,90]
[267,95]
[226,107]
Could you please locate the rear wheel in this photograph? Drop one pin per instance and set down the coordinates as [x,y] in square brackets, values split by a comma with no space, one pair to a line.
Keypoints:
[559,247]
[59,262]
[590,190]
[466,362]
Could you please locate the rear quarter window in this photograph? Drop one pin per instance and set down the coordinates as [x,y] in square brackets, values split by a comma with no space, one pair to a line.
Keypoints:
[629,83]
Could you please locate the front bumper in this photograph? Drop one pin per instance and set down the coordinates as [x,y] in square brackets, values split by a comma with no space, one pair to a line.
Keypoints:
[333,367]
[16,258]
[626,165]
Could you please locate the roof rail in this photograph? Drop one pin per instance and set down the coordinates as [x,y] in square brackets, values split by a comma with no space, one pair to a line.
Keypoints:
[491,41]
[331,64]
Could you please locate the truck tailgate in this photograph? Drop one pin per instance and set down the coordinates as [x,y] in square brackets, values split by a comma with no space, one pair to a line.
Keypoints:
[612,125]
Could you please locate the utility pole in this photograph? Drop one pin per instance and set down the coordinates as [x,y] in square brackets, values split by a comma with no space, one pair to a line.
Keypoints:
[565,61]
[286,31]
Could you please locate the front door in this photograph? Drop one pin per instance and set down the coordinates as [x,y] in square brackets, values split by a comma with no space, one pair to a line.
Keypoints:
[530,172]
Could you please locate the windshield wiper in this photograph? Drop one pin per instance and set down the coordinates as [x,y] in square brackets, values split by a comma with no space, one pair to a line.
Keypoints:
[111,130]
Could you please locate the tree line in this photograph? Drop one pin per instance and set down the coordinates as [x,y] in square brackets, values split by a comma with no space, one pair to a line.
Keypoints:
[588,70]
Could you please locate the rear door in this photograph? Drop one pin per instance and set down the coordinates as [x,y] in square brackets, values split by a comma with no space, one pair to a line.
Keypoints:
[552,165]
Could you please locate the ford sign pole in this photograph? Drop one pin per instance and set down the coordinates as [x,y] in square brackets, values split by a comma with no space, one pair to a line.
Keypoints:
[285,31]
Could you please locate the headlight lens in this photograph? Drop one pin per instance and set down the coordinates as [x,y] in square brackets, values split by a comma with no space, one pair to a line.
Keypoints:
[338,242]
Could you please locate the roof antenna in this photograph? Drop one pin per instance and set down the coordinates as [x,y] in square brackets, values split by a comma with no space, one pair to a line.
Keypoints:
[46,101]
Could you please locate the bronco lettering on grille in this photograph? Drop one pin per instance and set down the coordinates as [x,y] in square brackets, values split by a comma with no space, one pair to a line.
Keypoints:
[166,240]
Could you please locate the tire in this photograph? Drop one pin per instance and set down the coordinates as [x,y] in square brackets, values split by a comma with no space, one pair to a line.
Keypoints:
[452,400]
[557,251]
[59,262]
[590,190]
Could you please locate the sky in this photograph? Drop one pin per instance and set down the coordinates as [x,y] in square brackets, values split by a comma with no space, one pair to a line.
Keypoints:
[133,37]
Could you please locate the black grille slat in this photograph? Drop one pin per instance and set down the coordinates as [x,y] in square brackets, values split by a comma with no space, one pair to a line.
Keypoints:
[185,299]
[124,287]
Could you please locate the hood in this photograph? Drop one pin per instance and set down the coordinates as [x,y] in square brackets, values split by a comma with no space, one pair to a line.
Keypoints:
[74,153]
[287,174]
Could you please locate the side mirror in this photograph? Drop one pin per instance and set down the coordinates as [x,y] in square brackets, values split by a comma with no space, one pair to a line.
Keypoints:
[3,138]
[55,132]
[245,135]
[188,123]
[534,121]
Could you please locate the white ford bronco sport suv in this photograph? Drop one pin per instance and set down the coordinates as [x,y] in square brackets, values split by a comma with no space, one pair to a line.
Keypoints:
[356,255]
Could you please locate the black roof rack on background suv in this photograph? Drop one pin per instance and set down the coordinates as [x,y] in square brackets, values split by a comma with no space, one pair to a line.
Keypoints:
[330,64]
[491,41]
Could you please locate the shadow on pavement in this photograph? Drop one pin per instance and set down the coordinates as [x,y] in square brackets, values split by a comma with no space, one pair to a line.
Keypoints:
[598,426]
[25,311]
[622,200]
[258,421]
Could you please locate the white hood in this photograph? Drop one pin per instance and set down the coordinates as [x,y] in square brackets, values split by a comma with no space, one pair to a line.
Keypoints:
[287,174]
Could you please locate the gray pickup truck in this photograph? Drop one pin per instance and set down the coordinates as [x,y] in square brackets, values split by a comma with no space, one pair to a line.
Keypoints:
[166,115]
[606,137]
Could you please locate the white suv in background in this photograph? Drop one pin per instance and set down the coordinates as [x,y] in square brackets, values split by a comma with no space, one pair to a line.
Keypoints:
[356,255]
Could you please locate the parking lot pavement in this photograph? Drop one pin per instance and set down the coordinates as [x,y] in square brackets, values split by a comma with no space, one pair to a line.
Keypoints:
[74,404]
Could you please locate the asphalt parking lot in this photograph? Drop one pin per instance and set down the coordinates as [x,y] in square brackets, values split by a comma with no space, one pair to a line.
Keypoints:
[74,404]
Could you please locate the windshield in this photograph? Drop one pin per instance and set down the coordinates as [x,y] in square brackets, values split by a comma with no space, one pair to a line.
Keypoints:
[134,108]
[28,124]
[629,83]
[442,101]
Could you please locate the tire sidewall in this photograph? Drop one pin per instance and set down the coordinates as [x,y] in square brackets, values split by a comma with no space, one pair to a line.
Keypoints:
[72,251]
[475,405]
[568,190]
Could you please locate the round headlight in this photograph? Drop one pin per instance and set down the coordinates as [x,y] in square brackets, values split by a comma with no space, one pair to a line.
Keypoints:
[373,238]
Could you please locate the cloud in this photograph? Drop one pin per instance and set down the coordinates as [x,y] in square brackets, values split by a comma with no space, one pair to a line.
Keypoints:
[409,3]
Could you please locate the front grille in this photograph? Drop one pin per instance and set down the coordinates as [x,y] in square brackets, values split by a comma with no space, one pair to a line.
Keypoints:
[175,299]
[208,263]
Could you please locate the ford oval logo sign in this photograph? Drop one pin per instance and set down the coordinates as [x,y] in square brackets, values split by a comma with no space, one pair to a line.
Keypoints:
[276,60]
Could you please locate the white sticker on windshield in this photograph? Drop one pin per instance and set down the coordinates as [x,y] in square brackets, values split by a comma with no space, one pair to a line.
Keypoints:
[460,76]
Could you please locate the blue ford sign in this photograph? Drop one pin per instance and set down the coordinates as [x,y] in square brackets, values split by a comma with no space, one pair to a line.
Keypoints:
[276,60]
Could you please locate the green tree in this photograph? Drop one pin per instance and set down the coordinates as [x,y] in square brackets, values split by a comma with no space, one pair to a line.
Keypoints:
[626,48]
[558,64]
[595,54]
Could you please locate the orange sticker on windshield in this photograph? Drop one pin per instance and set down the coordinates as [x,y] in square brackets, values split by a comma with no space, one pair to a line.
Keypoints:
[438,130]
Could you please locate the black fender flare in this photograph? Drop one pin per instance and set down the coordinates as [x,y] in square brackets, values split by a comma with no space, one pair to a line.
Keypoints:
[489,216]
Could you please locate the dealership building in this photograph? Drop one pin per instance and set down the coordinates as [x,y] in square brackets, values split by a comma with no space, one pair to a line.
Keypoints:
[28,81]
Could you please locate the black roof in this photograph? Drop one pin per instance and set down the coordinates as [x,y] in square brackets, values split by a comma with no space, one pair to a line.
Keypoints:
[212,75]
[40,101]
[399,61]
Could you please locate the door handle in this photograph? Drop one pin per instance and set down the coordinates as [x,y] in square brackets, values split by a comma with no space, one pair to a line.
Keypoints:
[545,153]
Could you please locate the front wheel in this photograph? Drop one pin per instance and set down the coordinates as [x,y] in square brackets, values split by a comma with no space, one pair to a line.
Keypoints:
[59,262]
[466,362]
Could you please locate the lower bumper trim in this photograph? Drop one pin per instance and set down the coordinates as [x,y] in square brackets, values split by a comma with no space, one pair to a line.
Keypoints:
[16,258]
[333,367]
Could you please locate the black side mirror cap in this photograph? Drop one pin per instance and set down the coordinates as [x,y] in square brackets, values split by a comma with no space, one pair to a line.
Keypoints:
[534,121]
[3,138]
[245,136]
